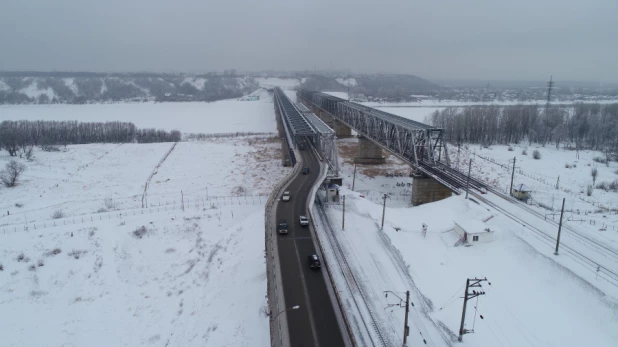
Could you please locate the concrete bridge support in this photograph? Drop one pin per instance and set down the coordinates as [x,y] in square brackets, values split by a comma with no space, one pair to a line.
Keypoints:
[425,189]
[341,130]
[368,152]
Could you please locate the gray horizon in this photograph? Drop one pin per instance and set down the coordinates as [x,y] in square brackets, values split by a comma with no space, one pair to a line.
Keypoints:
[446,40]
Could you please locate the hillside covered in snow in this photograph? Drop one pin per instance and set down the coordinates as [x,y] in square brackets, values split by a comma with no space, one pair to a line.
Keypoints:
[83,88]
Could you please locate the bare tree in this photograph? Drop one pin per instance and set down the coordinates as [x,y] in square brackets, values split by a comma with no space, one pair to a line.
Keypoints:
[27,152]
[11,173]
[9,137]
[594,173]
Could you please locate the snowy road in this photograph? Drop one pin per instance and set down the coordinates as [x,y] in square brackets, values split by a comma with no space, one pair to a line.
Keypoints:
[315,322]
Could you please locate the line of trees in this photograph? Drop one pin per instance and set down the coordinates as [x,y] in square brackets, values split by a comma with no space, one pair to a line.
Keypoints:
[591,126]
[23,134]
[85,88]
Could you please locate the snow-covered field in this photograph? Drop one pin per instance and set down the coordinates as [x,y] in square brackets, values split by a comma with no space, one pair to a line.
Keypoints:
[596,214]
[189,117]
[111,273]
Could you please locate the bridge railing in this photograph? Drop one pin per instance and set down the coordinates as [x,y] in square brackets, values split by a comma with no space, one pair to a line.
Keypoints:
[288,135]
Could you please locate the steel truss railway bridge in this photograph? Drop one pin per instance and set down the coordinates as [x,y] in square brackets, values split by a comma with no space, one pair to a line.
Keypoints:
[420,145]
[303,127]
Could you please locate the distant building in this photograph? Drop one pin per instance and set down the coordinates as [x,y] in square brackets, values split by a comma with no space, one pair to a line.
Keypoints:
[250,98]
[473,231]
[521,192]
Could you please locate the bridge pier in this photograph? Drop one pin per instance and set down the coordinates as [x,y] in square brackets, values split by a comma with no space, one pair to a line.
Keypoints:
[425,189]
[341,130]
[368,152]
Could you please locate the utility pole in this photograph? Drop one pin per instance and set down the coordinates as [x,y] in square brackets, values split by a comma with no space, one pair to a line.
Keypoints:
[468,180]
[182,200]
[406,328]
[558,183]
[550,86]
[470,283]
[383,210]
[354,178]
[512,177]
[343,218]
[559,228]
[458,150]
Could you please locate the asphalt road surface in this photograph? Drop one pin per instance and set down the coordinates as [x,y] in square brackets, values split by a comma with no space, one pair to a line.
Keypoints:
[314,323]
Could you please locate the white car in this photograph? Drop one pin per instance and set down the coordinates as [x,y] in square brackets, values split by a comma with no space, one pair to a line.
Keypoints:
[303,221]
[286,196]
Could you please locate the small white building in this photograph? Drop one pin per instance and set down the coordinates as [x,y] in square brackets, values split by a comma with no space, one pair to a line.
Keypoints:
[521,192]
[473,231]
[332,192]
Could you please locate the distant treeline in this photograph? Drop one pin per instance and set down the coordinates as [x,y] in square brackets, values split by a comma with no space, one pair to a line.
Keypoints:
[16,135]
[203,137]
[84,88]
[591,126]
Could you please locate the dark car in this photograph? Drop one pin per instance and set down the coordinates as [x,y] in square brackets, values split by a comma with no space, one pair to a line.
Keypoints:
[301,147]
[305,170]
[314,261]
[283,226]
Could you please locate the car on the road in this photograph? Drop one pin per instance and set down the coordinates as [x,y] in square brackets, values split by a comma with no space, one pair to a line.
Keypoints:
[314,261]
[283,226]
[301,147]
[305,170]
[286,196]
[303,221]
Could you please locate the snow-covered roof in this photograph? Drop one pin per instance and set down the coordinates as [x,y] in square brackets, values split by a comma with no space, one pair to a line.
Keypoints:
[522,188]
[472,226]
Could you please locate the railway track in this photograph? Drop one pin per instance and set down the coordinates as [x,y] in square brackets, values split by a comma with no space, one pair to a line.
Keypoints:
[352,282]
[601,270]
[478,188]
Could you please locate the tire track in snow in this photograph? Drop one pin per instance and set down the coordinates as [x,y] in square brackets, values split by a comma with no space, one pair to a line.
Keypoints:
[79,171]
[154,171]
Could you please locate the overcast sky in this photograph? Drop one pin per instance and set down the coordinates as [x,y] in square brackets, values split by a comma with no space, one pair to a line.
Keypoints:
[443,39]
